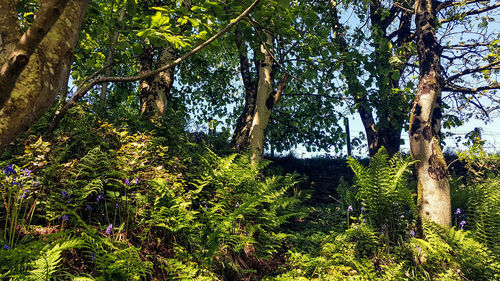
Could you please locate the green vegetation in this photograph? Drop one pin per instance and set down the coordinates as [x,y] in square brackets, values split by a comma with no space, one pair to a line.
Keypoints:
[138,140]
[109,204]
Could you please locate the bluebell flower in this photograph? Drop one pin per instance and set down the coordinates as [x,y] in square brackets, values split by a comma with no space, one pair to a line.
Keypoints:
[64,194]
[136,180]
[237,204]
[458,211]
[35,184]
[127,182]
[462,224]
[89,208]
[109,228]
[22,196]
[396,203]
[65,217]
[412,233]
[349,209]
[9,169]
[6,247]
[363,209]
[99,197]
[26,172]
[117,205]
[92,256]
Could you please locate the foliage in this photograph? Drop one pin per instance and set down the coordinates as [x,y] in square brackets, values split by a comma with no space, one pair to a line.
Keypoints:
[138,205]
[386,199]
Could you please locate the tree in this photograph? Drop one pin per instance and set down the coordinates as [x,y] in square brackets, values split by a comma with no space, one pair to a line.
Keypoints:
[425,122]
[35,62]
[88,83]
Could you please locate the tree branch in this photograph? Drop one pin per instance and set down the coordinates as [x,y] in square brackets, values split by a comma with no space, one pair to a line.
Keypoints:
[19,57]
[456,88]
[470,71]
[470,12]
[98,80]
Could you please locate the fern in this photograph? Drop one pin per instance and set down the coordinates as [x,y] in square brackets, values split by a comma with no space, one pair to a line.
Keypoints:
[384,192]
[483,205]
[46,265]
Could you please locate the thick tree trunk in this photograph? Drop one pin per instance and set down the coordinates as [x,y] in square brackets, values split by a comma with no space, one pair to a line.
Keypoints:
[38,84]
[265,101]
[154,91]
[433,184]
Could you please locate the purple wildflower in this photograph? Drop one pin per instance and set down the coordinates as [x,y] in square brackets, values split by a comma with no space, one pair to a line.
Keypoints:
[35,184]
[9,169]
[127,182]
[136,180]
[64,194]
[99,198]
[363,209]
[89,208]
[396,203]
[349,209]
[117,205]
[6,247]
[462,224]
[65,217]
[237,204]
[458,211]
[412,233]
[92,256]
[26,172]
[109,228]
[22,196]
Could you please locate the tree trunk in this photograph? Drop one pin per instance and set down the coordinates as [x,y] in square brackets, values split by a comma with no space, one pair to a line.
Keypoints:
[154,91]
[425,122]
[264,95]
[241,136]
[111,54]
[38,84]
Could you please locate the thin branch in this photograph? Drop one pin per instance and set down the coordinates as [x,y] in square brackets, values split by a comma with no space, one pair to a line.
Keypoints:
[471,12]
[470,71]
[19,57]
[450,3]
[98,80]
[456,88]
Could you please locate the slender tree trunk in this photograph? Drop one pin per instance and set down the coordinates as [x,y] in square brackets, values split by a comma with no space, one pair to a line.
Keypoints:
[425,122]
[38,84]
[263,106]
[241,136]
[110,57]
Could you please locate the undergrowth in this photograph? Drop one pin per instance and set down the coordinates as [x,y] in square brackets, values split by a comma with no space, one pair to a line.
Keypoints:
[110,202]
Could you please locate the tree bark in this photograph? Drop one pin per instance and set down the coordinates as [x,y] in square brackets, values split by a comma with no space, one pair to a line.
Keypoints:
[386,130]
[241,136]
[425,121]
[263,107]
[110,57]
[38,84]
[154,91]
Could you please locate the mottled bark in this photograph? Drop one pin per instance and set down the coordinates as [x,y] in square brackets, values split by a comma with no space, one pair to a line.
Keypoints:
[433,183]
[262,108]
[241,136]
[20,53]
[154,91]
[37,85]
